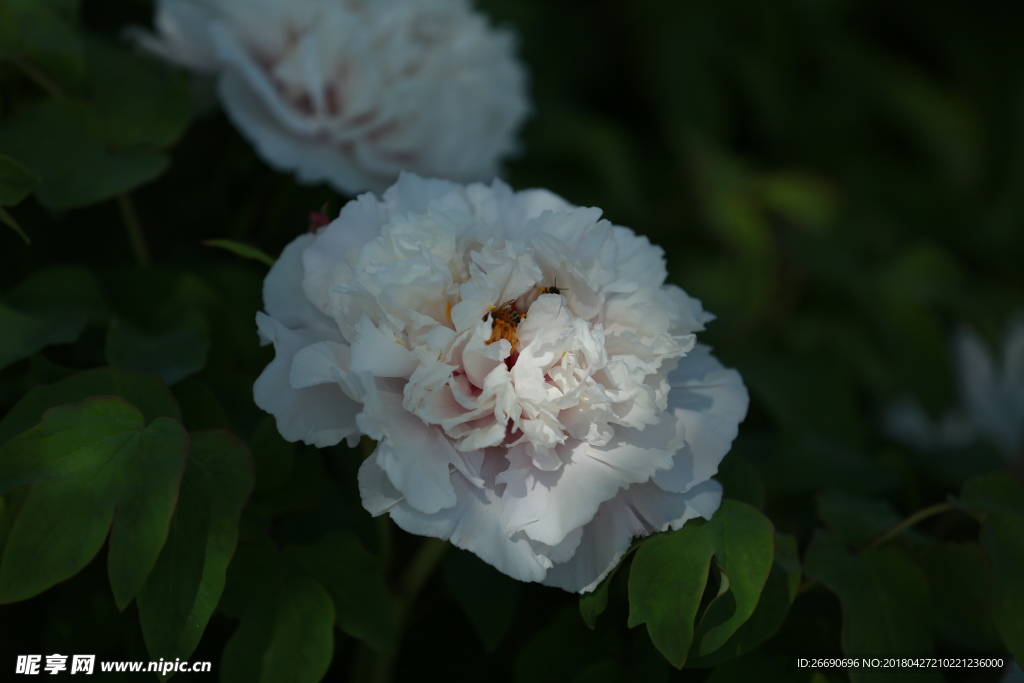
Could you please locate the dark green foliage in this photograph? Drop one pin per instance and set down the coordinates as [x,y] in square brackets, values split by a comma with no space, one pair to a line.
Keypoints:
[670,572]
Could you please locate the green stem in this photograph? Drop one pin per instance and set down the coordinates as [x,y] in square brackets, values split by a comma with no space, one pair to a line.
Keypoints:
[133,228]
[40,78]
[377,667]
[911,521]
[897,529]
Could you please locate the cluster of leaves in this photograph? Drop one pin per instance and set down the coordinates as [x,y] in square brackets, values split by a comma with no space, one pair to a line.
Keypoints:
[838,181]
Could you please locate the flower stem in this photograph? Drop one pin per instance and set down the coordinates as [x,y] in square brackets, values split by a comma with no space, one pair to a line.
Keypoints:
[377,667]
[133,228]
[912,520]
[891,533]
[40,78]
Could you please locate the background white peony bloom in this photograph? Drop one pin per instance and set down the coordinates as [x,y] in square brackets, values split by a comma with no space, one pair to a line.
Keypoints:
[352,92]
[604,421]
[991,396]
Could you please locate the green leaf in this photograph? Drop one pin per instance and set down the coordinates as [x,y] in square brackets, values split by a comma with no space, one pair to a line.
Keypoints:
[148,394]
[62,141]
[666,583]
[93,466]
[24,334]
[488,598]
[355,581]
[1001,500]
[171,354]
[854,518]
[772,607]
[59,291]
[50,307]
[186,583]
[593,604]
[961,583]
[670,573]
[16,181]
[243,250]
[48,41]
[302,639]
[138,101]
[885,603]
[288,638]
[744,546]
[287,624]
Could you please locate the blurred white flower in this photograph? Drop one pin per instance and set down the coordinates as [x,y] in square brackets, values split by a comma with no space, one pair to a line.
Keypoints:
[991,396]
[352,92]
[534,387]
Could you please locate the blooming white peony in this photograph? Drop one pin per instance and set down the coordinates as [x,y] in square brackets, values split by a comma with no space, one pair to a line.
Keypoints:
[541,435]
[992,399]
[354,91]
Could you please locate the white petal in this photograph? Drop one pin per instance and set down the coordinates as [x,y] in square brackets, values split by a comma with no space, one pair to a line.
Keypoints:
[414,455]
[320,415]
[283,297]
[331,258]
[473,524]
[379,352]
[711,401]
[638,511]
[546,506]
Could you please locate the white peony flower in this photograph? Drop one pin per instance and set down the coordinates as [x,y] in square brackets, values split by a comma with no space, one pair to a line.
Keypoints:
[992,399]
[352,92]
[534,387]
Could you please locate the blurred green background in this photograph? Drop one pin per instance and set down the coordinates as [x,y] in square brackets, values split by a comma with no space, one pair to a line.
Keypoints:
[839,181]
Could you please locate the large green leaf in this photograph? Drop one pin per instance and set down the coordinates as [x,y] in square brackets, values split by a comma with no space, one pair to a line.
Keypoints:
[885,603]
[16,181]
[48,42]
[94,467]
[287,638]
[666,583]
[138,101]
[62,141]
[186,583]
[670,572]
[856,519]
[24,333]
[744,547]
[772,607]
[286,632]
[148,394]
[1001,502]
[50,307]
[59,290]
[355,581]
[171,354]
